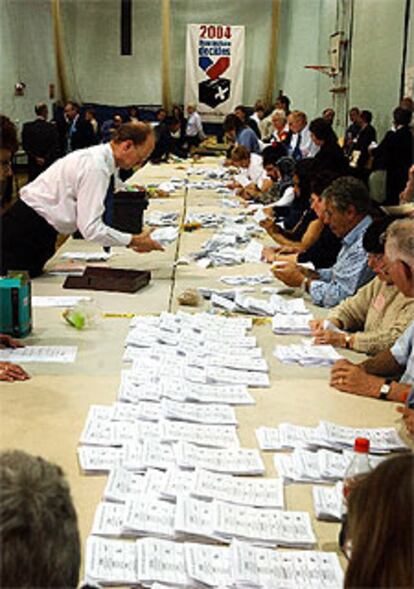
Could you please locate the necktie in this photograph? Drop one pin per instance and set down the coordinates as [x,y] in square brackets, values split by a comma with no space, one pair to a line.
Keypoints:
[297,154]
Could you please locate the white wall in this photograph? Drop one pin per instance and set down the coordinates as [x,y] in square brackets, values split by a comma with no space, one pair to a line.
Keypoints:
[98,73]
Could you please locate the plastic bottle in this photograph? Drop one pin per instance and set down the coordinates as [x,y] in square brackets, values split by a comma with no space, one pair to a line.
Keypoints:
[359,466]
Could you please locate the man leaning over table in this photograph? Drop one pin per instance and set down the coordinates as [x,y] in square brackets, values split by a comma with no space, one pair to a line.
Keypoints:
[378,377]
[70,196]
[347,205]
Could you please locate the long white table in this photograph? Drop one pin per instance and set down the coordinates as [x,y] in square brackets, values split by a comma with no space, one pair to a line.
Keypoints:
[46,414]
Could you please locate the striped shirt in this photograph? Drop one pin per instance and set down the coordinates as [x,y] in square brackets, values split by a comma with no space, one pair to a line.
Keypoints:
[349,272]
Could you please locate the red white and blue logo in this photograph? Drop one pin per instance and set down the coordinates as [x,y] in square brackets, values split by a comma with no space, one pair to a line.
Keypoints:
[214,59]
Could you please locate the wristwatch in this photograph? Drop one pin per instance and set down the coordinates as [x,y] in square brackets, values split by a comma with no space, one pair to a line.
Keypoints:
[385,390]
[348,338]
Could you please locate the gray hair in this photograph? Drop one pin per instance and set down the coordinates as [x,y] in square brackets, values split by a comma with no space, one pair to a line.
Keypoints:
[346,191]
[400,241]
[40,544]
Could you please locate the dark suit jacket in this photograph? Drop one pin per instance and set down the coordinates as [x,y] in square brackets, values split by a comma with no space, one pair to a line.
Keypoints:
[395,155]
[83,135]
[40,139]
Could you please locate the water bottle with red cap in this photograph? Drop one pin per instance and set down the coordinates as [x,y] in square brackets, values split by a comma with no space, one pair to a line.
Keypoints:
[358,467]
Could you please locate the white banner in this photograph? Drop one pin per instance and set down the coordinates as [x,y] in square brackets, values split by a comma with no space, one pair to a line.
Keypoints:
[214,69]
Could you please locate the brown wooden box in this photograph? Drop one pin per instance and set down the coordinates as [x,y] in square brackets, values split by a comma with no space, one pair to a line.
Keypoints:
[112,279]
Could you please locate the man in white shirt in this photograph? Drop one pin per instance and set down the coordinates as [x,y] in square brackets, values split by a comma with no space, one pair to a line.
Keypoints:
[70,196]
[301,144]
[194,129]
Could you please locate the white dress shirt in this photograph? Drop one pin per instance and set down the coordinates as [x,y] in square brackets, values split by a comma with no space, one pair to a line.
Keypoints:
[194,126]
[306,146]
[70,195]
[253,174]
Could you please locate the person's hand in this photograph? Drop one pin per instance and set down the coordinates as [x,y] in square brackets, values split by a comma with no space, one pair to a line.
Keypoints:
[267,224]
[288,249]
[269,211]
[351,378]
[408,418]
[143,242]
[10,372]
[8,342]
[289,274]
[316,325]
[327,336]
[269,254]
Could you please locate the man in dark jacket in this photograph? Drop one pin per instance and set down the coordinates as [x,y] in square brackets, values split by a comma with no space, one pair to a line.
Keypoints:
[40,141]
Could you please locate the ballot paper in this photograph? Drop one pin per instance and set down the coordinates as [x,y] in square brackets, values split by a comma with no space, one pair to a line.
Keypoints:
[241,490]
[269,526]
[45,301]
[216,436]
[122,483]
[253,252]
[304,466]
[260,215]
[268,438]
[252,280]
[383,439]
[230,460]
[162,218]
[228,394]
[63,354]
[228,293]
[292,324]
[328,502]
[194,412]
[220,374]
[146,515]
[307,354]
[165,235]
[194,517]
[99,459]
[100,432]
[109,519]
[253,566]
[162,561]
[176,482]
[208,565]
[99,256]
[112,562]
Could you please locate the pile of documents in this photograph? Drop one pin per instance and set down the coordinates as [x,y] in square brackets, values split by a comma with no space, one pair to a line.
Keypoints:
[287,312]
[165,235]
[161,219]
[328,435]
[165,563]
[292,324]
[307,354]
[328,502]
[243,280]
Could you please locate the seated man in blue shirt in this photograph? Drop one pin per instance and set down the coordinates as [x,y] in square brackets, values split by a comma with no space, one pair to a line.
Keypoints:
[347,203]
[370,378]
[240,134]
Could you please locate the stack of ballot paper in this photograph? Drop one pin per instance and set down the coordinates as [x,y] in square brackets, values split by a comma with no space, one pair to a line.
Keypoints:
[161,218]
[165,235]
[167,564]
[307,354]
[305,466]
[148,515]
[251,280]
[328,435]
[230,460]
[291,324]
[99,256]
[328,502]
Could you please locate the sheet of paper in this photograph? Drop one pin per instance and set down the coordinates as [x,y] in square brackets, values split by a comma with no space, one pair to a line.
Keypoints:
[64,354]
[241,490]
[46,301]
[162,561]
[229,460]
[113,562]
